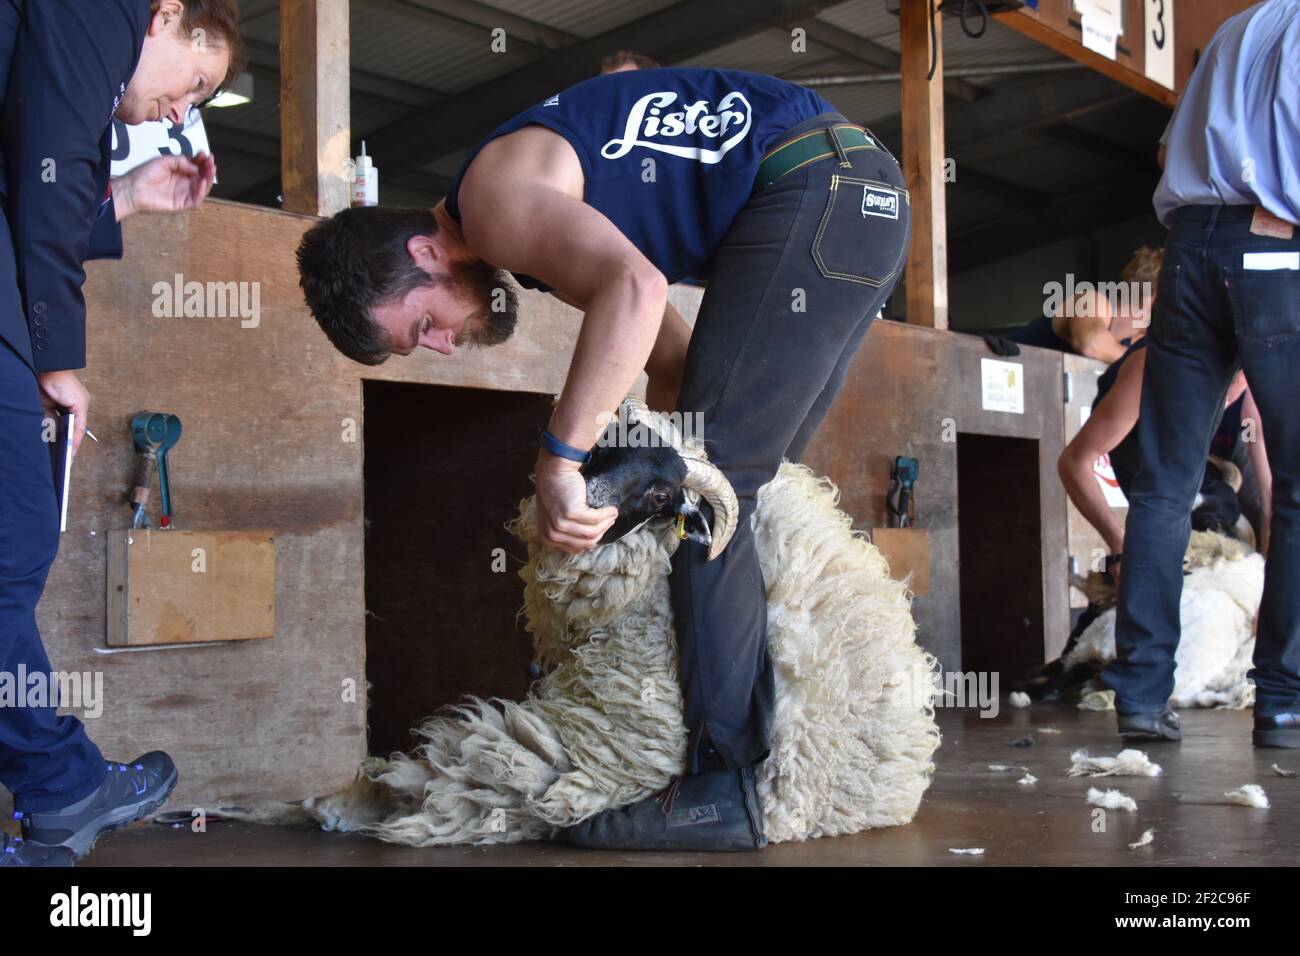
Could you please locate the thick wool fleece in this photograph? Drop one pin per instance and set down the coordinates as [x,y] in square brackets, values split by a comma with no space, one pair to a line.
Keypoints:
[1221,596]
[853,734]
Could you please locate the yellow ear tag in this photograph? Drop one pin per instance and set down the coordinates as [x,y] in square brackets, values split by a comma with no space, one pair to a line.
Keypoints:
[680,529]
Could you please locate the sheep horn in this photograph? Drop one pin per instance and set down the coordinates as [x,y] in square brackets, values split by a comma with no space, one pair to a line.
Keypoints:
[707,480]
[638,412]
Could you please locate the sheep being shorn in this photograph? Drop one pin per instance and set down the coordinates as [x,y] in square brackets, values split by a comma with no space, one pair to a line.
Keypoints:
[1221,596]
[853,734]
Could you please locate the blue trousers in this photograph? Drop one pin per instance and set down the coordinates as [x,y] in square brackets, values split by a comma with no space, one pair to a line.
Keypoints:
[806,266]
[46,761]
[1213,314]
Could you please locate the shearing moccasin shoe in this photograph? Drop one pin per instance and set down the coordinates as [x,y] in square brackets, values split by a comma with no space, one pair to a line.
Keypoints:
[1155,727]
[1279,730]
[708,811]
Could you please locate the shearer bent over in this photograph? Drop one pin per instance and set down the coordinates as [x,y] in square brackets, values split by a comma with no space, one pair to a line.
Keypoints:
[602,195]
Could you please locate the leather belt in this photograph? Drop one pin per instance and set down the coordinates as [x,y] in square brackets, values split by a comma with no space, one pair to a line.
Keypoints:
[809,147]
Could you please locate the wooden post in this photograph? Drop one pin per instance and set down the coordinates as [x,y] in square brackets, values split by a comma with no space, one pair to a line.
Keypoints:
[923,165]
[315,111]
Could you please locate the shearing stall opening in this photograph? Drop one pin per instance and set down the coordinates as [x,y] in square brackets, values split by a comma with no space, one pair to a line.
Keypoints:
[1000,534]
[444,469]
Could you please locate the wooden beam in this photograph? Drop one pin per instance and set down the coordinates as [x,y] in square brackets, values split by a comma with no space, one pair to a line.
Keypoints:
[315,114]
[923,155]
[1054,37]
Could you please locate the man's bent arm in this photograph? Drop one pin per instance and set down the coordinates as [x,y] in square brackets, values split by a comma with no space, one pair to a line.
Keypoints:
[572,247]
[1112,419]
[666,365]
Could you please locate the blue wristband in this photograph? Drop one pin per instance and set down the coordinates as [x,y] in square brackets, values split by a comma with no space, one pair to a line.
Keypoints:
[560,449]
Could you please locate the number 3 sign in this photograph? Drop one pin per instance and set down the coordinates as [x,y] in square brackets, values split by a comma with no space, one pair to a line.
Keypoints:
[1160,42]
[135,145]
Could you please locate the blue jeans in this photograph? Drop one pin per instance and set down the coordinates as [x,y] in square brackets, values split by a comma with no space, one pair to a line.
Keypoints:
[46,761]
[792,292]
[1212,316]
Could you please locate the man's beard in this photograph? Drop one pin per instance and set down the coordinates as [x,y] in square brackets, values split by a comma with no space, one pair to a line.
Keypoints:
[490,289]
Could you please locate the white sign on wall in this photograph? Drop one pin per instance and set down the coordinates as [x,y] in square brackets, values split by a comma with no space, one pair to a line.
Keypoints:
[1002,385]
[1102,12]
[1100,36]
[136,145]
[1160,42]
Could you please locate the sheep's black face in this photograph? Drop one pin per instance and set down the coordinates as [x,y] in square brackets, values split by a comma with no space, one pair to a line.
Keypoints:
[1217,506]
[643,484]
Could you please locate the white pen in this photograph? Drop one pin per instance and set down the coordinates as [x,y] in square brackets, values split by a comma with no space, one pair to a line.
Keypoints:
[91,435]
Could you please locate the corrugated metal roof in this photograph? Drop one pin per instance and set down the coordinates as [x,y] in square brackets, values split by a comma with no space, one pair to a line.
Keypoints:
[449,52]
[866,104]
[767,51]
[869,20]
[262,116]
[582,18]
[427,50]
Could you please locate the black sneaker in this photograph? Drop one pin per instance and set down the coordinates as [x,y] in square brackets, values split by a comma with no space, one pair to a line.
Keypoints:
[129,793]
[1280,730]
[1155,727]
[20,852]
[707,811]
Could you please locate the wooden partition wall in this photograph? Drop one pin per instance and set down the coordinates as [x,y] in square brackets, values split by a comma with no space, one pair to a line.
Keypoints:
[273,426]
[273,441]
[914,391]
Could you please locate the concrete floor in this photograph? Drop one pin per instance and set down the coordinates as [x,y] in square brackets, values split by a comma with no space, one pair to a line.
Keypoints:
[1048,823]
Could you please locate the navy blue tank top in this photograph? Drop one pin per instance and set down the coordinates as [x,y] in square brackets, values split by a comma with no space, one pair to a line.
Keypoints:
[669,155]
[1125,458]
[1106,381]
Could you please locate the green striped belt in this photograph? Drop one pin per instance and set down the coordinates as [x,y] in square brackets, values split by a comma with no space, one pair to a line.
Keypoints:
[808,148]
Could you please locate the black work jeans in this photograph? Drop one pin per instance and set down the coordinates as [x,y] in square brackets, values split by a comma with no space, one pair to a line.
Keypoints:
[1218,308]
[806,266]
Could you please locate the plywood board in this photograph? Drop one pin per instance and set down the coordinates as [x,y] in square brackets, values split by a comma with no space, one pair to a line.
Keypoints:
[908,552]
[911,391]
[181,587]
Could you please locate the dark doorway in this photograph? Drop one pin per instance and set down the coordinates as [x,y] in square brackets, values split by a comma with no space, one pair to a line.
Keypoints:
[445,468]
[1001,551]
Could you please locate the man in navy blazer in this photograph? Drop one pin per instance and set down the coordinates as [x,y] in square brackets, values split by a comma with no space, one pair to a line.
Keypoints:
[67,67]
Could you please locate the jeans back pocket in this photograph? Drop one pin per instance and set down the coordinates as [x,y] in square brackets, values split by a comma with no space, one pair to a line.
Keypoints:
[864,231]
[1265,302]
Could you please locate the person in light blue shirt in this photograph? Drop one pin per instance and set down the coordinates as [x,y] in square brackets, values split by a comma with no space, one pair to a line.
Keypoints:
[1228,298]
[1232,139]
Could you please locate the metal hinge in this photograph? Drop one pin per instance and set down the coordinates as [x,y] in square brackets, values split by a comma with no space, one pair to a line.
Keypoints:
[1067,387]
